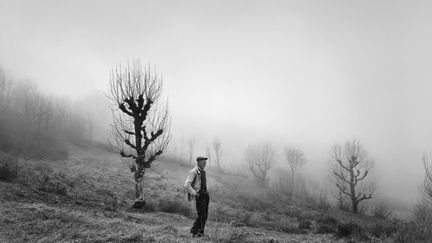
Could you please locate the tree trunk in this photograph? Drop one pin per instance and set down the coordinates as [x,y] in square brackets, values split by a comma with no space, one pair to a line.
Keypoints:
[353,193]
[340,199]
[139,184]
[354,206]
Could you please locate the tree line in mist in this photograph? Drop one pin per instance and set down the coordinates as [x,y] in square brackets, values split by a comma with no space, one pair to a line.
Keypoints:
[349,178]
[38,125]
[349,171]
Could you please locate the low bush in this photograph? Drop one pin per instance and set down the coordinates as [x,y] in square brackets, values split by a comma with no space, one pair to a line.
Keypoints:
[326,225]
[8,167]
[348,229]
[380,231]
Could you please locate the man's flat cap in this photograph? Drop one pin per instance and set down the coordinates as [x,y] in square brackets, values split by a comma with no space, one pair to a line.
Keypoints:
[201,158]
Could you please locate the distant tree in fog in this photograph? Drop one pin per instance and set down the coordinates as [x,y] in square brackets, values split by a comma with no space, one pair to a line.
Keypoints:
[141,125]
[41,114]
[351,166]
[427,184]
[35,124]
[260,157]
[208,154]
[218,152]
[182,148]
[296,160]
[191,145]
[6,87]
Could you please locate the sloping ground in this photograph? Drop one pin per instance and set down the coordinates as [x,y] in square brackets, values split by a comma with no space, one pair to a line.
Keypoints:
[87,198]
[28,215]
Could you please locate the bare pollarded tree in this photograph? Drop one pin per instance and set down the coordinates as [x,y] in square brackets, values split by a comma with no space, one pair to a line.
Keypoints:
[260,159]
[351,168]
[427,184]
[218,152]
[296,160]
[141,125]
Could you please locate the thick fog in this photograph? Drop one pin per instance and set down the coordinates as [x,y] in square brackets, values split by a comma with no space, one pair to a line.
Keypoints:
[303,73]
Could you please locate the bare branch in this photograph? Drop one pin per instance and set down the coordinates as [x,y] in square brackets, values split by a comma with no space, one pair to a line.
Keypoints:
[342,177]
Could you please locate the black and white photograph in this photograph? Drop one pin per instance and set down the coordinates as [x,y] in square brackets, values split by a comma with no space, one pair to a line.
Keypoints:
[243,121]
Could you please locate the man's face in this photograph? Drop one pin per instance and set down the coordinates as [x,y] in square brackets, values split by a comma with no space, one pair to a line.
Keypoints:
[202,163]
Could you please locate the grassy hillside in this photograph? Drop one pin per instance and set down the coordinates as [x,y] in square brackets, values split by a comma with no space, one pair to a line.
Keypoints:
[88,197]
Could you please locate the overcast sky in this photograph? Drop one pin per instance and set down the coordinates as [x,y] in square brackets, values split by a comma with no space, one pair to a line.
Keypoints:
[308,73]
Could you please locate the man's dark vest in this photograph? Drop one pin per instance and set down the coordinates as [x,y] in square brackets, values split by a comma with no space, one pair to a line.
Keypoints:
[203,181]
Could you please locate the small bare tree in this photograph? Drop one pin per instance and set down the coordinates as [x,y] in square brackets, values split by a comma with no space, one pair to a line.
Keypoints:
[218,152]
[351,167]
[140,125]
[427,184]
[296,160]
[260,157]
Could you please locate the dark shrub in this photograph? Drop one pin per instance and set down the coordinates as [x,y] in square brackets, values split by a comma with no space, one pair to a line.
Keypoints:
[380,231]
[348,229]
[326,225]
[8,167]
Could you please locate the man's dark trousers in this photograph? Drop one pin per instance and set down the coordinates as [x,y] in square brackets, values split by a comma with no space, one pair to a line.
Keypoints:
[202,203]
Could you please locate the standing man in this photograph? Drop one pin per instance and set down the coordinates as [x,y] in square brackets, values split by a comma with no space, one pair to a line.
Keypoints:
[196,187]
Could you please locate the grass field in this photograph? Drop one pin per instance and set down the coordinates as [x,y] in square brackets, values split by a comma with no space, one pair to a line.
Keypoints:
[88,197]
